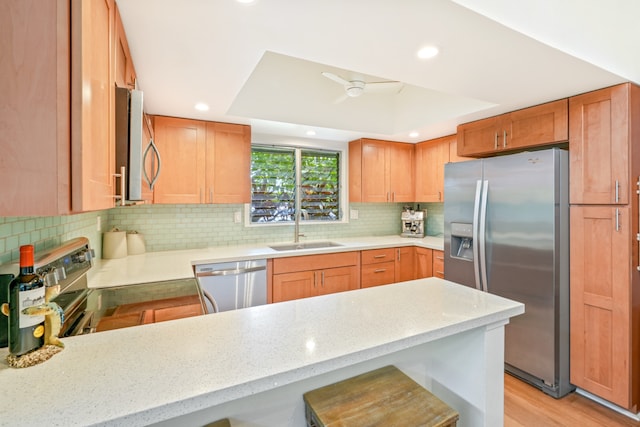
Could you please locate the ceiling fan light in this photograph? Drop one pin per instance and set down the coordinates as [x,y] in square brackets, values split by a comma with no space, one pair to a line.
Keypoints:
[354,91]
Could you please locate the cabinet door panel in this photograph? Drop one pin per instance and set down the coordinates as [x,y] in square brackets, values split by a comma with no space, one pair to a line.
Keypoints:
[438,264]
[181,143]
[375,174]
[401,176]
[377,274]
[405,268]
[600,302]
[338,280]
[424,263]
[35,118]
[431,156]
[228,163]
[290,286]
[479,137]
[599,146]
[93,143]
[539,125]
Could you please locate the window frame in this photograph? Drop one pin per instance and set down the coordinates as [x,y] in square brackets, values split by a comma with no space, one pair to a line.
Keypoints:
[342,188]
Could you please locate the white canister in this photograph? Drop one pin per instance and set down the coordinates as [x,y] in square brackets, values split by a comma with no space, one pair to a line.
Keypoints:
[114,244]
[135,243]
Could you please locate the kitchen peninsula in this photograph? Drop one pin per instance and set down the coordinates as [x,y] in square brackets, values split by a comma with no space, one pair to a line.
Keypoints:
[253,365]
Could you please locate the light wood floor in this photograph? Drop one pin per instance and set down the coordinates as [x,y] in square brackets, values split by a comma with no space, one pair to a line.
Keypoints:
[527,406]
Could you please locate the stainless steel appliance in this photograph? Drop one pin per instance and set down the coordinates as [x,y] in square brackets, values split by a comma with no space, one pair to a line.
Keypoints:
[65,268]
[234,285]
[507,232]
[131,148]
[413,222]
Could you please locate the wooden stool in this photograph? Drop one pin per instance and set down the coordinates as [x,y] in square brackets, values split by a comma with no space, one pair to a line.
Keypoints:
[384,397]
[219,423]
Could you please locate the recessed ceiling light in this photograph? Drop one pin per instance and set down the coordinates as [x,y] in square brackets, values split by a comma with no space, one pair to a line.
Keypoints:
[427,52]
[414,135]
[311,133]
[201,106]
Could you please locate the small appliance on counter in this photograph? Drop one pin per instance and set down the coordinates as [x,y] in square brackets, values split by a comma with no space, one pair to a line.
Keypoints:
[413,222]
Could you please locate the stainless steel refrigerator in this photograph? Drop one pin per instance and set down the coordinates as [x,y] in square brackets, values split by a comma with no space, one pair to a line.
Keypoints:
[507,233]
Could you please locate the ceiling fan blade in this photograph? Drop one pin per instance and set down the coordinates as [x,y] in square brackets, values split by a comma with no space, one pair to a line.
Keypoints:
[341,98]
[383,87]
[335,78]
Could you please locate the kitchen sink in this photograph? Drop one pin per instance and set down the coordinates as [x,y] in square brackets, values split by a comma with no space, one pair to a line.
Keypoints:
[305,245]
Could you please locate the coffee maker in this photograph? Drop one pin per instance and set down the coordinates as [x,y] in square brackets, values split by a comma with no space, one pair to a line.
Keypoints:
[413,222]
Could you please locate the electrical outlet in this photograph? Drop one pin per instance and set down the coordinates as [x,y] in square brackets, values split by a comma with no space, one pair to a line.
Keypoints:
[353,214]
[99,223]
[237,217]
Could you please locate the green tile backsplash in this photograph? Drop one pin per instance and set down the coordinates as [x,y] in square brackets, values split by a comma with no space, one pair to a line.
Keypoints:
[169,227]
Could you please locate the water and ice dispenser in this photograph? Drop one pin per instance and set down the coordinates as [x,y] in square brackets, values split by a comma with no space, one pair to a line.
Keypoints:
[462,240]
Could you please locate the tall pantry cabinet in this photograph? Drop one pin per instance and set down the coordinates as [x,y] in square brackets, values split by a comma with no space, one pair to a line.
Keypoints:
[604,152]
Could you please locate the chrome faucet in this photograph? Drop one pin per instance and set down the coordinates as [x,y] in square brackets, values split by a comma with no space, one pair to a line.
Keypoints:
[296,229]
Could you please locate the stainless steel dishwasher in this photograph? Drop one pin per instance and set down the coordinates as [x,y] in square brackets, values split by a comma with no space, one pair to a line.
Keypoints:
[234,285]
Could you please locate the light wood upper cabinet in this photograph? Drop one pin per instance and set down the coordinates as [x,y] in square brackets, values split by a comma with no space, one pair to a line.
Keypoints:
[431,156]
[380,171]
[93,119]
[228,166]
[601,320]
[35,88]
[182,146]
[125,73]
[599,146]
[203,162]
[530,127]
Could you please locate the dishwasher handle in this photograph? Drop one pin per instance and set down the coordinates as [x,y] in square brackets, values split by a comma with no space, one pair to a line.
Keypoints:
[210,272]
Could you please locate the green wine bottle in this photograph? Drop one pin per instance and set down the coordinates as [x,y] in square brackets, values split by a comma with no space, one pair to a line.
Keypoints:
[26,333]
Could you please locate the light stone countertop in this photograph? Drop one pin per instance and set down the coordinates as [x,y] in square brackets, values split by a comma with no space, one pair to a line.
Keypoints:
[171,265]
[146,374]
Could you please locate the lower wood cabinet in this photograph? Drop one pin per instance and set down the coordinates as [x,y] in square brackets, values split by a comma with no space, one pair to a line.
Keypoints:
[424,263]
[604,347]
[312,275]
[438,264]
[388,265]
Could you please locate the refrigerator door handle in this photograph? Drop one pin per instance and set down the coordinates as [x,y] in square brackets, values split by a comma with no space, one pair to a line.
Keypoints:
[476,245]
[482,231]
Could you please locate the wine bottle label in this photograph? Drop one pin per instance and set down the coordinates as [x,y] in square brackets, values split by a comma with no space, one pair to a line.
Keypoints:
[29,299]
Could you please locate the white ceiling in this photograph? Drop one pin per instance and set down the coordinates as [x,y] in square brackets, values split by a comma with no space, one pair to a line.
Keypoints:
[260,63]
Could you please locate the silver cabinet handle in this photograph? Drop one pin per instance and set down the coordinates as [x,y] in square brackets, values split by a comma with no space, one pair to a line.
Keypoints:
[617,219]
[495,145]
[617,191]
[504,139]
[380,256]
[380,270]
[322,282]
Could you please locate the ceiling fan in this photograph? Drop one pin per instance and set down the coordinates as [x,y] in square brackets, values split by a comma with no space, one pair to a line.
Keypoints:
[356,87]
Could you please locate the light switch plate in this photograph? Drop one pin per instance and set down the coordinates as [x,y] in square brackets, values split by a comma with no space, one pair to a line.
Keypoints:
[237,217]
[99,223]
[353,214]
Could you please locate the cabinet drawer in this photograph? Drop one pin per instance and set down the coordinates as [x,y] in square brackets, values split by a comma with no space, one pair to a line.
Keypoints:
[375,256]
[381,273]
[315,262]
[438,264]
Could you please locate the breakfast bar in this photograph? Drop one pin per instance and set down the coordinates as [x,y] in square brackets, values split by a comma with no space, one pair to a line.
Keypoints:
[254,365]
